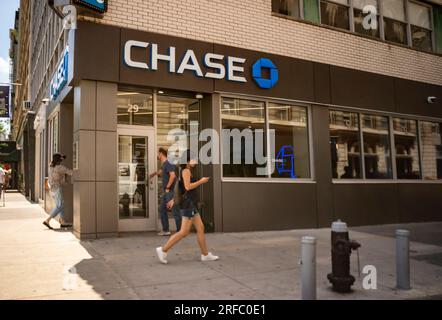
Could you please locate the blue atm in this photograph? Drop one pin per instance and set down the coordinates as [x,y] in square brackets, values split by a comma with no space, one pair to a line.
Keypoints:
[286,161]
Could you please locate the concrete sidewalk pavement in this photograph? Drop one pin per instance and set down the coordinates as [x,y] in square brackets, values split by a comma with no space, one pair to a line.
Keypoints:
[37,263]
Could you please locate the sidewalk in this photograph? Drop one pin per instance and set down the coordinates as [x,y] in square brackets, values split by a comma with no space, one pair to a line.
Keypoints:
[34,263]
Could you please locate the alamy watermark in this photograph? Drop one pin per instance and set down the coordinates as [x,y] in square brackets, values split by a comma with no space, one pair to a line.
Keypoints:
[70,278]
[247,146]
[70,18]
[370,21]
[370,281]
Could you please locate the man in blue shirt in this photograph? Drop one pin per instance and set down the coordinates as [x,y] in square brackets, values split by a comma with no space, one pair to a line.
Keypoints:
[168,173]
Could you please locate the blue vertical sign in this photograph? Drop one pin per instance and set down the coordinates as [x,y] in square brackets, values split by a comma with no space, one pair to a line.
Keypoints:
[60,78]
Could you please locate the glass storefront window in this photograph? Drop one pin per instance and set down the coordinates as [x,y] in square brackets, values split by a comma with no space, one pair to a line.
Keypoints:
[242,115]
[291,141]
[345,145]
[285,145]
[431,145]
[376,137]
[335,14]
[286,7]
[407,150]
[135,108]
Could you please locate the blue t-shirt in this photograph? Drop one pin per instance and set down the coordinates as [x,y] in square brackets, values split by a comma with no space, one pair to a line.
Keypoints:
[166,169]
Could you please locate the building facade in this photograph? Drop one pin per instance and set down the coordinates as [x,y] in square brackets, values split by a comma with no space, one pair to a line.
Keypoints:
[356,111]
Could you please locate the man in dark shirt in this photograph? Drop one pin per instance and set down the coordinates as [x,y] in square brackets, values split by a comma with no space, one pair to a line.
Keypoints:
[168,173]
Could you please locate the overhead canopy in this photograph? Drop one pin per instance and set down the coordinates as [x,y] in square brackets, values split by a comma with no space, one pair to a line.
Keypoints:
[9,152]
[436,1]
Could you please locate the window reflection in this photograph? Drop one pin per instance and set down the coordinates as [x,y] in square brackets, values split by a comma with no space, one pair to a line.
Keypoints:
[335,13]
[345,145]
[132,169]
[291,141]
[431,144]
[286,7]
[242,114]
[376,139]
[407,150]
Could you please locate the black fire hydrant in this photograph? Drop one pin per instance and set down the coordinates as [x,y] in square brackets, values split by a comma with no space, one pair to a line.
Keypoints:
[340,277]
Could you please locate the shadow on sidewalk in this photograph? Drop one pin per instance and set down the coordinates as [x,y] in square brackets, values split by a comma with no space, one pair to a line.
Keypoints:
[425,232]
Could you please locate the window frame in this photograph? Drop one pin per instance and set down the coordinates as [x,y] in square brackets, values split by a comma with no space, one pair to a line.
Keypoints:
[361,147]
[381,25]
[268,178]
[390,116]
[410,39]
[301,11]
[421,149]
[349,6]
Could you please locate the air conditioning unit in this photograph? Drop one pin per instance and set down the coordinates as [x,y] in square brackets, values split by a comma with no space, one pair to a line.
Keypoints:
[26,105]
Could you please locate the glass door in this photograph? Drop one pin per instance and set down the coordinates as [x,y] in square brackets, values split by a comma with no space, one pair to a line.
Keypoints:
[136,193]
[174,112]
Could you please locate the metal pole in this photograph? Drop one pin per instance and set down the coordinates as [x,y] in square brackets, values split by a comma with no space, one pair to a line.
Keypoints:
[308,268]
[402,259]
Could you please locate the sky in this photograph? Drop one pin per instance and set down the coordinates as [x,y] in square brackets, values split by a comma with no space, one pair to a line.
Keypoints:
[7,16]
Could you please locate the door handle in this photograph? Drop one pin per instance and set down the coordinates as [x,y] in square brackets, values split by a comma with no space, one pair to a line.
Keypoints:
[151,185]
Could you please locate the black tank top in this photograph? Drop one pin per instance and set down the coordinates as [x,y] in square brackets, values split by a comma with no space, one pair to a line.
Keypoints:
[191,195]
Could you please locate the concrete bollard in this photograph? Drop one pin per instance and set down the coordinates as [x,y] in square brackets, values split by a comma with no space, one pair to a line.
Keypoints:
[308,268]
[403,259]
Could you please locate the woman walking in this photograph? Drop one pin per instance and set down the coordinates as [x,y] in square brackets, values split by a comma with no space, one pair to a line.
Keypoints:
[188,187]
[57,178]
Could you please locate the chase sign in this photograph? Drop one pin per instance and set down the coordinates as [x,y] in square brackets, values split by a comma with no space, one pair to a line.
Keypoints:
[95,5]
[208,65]
[60,78]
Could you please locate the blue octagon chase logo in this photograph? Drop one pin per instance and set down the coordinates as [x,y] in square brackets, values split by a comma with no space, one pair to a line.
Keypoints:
[257,68]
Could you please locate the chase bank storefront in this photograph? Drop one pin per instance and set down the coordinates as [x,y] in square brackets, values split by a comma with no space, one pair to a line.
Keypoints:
[362,147]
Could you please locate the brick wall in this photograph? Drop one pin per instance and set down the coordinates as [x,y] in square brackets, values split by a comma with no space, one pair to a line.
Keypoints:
[249,24]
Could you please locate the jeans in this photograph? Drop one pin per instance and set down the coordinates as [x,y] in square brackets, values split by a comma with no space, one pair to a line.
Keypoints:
[57,194]
[163,212]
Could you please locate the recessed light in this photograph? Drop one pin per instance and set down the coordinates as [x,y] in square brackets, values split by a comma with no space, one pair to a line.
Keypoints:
[160,92]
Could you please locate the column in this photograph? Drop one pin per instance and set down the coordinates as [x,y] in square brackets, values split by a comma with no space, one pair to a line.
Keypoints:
[95,181]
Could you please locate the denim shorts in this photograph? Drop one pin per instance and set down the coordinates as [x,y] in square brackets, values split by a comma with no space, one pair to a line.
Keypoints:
[189,213]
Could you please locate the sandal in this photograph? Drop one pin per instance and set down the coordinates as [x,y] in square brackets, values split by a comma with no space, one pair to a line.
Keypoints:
[47,225]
